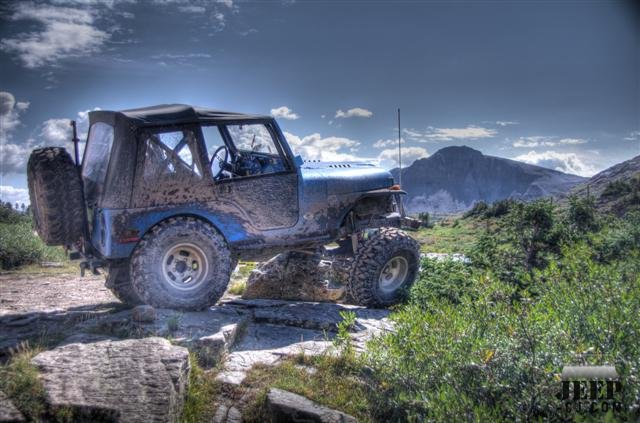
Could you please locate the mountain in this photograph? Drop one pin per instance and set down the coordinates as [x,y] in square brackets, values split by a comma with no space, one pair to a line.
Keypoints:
[614,189]
[454,178]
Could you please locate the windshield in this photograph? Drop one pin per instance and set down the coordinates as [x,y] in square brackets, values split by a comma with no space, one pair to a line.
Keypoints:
[96,160]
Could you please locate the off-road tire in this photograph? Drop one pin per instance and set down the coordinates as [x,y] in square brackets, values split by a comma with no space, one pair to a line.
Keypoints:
[373,253]
[55,191]
[148,277]
[119,283]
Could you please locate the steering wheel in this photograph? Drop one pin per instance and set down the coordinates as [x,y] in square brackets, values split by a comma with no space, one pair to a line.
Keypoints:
[219,161]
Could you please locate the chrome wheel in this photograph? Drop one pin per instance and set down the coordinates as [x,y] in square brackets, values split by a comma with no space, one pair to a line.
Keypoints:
[185,266]
[393,274]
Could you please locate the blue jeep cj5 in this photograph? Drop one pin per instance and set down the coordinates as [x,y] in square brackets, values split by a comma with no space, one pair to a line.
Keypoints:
[167,198]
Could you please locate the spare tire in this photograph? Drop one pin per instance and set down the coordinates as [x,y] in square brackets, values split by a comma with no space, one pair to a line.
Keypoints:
[55,190]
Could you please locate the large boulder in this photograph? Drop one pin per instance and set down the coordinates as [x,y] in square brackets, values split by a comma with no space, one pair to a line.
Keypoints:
[285,406]
[294,276]
[133,380]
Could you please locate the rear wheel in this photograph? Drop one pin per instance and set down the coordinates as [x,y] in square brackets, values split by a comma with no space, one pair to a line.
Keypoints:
[182,263]
[384,268]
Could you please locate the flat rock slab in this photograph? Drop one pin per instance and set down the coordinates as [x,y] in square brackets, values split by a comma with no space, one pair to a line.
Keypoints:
[267,344]
[318,316]
[33,305]
[8,411]
[285,406]
[210,333]
[133,380]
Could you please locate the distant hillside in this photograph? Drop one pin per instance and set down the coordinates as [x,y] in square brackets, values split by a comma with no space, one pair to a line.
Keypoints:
[454,178]
[615,189]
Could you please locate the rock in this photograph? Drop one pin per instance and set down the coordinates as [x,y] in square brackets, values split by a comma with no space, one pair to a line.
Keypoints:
[323,317]
[143,314]
[209,333]
[8,411]
[134,380]
[293,276]
[286,406]
[268,344]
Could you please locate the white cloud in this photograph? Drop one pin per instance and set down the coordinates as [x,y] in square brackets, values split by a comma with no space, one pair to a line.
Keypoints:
[10,111]
[545,141]
[228,3]
[283,112]
[564,162]
[355,112]
[572,141]
[192,9]
[432,134]
[505,123]
[389,157]
[13,158]
[533,141]
[65,32]
[219,21]
[314,147]
[387,143]
[53,132]
[14,195]
[633,136]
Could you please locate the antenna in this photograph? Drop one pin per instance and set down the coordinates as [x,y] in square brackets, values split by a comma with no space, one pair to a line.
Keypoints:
[399,152]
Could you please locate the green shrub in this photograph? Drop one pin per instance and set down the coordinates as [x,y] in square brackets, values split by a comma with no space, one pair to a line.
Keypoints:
[19,245]
[488,356]
[478,210]
[581,214]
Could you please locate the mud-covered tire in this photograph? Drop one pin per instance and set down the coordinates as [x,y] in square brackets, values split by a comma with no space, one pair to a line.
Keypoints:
[118,281]
[158,277]
[383,247]
[55,191]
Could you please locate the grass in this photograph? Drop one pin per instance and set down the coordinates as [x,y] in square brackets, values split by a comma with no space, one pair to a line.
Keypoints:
[238,282]
[452,235]
[203,389]
[336,383]
[19,381]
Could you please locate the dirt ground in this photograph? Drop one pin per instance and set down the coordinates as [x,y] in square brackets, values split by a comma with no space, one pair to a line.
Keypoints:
[28,293]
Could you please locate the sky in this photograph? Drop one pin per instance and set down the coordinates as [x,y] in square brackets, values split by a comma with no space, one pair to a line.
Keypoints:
[552,83]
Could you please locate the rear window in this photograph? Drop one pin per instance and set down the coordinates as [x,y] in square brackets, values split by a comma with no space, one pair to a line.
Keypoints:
[96,159]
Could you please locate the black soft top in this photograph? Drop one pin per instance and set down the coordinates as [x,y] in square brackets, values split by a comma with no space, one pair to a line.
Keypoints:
[170,114]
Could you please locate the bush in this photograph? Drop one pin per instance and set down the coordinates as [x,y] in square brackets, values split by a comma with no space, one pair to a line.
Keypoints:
[478,210]
[581,214]
[486,356]
[20,246]
[425,219]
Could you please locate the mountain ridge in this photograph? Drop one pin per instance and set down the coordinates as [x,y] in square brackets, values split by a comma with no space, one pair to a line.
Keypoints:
[454,178]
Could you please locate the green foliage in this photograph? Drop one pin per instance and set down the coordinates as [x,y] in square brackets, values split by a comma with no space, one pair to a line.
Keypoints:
[342,341]
[19,245]
[472,344]
[19,380]
[200,402]
[332,381]
[582,214]
[425,219]
[449,280]
[478,210]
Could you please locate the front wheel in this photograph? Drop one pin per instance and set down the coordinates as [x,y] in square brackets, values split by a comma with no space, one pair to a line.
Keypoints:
[384,268]
[182,263]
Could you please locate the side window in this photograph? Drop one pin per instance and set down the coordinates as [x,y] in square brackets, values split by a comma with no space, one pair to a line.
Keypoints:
[254,138]
[212,139]
[96,159]
[171,154]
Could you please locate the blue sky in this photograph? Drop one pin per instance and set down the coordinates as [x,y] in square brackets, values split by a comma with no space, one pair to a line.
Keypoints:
[551,83]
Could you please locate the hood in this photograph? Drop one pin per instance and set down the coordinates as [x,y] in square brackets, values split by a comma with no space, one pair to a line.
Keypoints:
[346,177]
